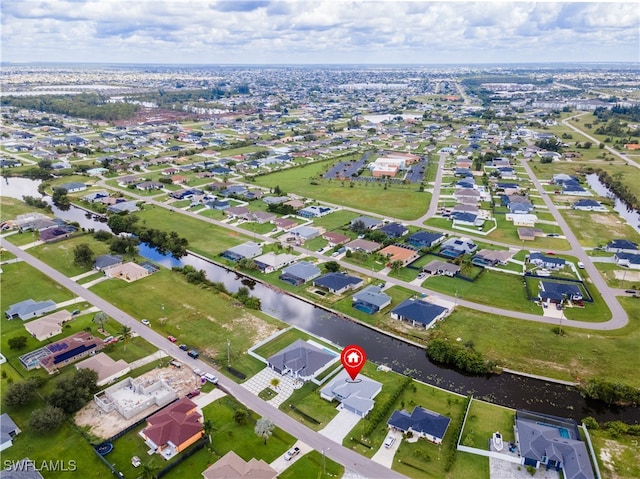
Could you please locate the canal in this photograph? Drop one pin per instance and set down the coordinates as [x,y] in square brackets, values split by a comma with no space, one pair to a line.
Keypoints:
[505,389]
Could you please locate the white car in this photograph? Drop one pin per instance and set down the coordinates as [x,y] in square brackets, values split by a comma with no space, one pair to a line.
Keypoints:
[291,453]
[211,378]
[388,442]
[146,322]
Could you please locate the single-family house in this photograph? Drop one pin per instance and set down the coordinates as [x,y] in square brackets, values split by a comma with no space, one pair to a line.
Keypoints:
[573,188]
[554,443]
[65,351]
[237,212]
[232,466]
[552,292]
[300,273]
[107,369]
[246,250]
[355,396]
[363,245]
[547,262]
[57,232]
[128,271]
[370,300]
[107,260]
[588,205]
[437,267]
[403,253]
[425,239]
[96,196]
[270,262]
[622,246]
[48,326]
[275,200]
[29,308]
[394,230]
[305,233]
[461,218]
[284,224]
[315,211]
[629,260]
[337,283]
[334,238]
[418,312]
[529,234]
[456,247]
[522,219]
[71,187]
[8,430]
[467,196]
[301,360]
[492,257]
[174,428]
[262,217]
[149,185]
[421,422]
[369,223]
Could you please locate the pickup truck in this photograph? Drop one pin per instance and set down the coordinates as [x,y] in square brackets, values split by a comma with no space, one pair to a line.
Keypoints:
[291,453]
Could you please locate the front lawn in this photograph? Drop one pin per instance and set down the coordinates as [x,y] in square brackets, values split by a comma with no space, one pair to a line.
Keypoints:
[483,420]
[313,465]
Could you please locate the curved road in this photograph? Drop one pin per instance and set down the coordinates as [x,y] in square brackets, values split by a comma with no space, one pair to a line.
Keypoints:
[333,450]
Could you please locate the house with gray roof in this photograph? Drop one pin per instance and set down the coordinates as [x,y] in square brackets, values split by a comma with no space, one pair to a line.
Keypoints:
[355,396]
[300,273]
[305,233]
[437,267]
[421,422]
[419,312]
[71,187]
[552,442]
[29,308]
[363,245]
[301,360]
[552,292]
[246,250]
[548,262]
[588,205]
[107,260]
[369,223]
[338,283]
[270,262]
[8,430]
[371,300]
[128,206]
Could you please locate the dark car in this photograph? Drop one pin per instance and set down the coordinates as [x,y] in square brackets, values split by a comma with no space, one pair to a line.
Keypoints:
[184,347]
[194,393]
[630,291]
[193,354]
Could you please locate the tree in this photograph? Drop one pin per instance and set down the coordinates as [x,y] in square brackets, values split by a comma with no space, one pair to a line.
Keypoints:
[100,318]
[125,332]
[359,227]
[46,419]
[241,416]
[60,199]
[208,428]
[332,266]
[396,265]
[264,428]
[83,255]
[21,393]
[275,382]
[17,342]
[148,471]
[72,393]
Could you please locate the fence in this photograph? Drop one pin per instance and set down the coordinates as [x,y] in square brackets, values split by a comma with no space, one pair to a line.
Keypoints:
[184,455]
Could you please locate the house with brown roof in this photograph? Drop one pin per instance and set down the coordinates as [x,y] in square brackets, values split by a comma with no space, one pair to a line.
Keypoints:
[232,466]
[108,370]
[174,428]
[335,238]
[285,224]
[63,352]
[48,326]
[128,271]
[399,253]
[362,245]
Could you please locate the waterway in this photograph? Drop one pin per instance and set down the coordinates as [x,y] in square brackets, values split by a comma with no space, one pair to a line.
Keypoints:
[505,389]
[631,216]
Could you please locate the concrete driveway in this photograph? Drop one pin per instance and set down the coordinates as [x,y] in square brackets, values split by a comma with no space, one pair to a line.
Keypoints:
[339,426]
[385,456]
[280,464]
[262,380]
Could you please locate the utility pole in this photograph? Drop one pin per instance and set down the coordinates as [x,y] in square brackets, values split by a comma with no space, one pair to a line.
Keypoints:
[228,353]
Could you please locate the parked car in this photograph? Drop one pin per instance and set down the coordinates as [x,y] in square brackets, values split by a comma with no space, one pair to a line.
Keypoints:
[184,347]
[194,393]
[199,372]
[193,354]
[146,322]
[211,378]
[580,265]
[173,339]
[291,453]
[388,442]
[176,364]
[630,291]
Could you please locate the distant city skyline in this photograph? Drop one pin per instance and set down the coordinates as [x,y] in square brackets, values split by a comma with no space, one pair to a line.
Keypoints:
[318,32]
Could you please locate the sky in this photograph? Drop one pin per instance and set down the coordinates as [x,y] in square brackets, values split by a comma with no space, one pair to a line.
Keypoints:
[317,31]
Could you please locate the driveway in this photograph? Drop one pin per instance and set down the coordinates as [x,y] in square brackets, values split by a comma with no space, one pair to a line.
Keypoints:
[205,399]
[500,469]
[385,456]
[262,380]
[339,426]
[280,464]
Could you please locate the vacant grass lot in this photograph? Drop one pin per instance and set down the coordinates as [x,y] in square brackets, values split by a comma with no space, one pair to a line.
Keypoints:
[623,451]
[313,465]
[483,420]
[285,339]
[196,316]
[204,238]
[578,355]
[595,229]
[397,201]
[11,207]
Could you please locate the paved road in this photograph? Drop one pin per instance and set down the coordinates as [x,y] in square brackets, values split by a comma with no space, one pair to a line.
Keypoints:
[435,197]
[334,451]
[595,141]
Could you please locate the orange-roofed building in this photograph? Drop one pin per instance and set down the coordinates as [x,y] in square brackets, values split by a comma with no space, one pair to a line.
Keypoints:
[398,253]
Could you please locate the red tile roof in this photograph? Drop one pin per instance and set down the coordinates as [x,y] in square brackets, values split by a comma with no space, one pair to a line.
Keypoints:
[176,423]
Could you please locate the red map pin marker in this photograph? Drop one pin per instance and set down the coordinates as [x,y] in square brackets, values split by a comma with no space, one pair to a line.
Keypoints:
[353,359]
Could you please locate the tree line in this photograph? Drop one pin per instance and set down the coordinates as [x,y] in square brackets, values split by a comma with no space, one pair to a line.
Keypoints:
[89,106]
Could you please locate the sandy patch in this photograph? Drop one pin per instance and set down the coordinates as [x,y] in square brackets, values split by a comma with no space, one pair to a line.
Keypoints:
[627,275]
[105,425]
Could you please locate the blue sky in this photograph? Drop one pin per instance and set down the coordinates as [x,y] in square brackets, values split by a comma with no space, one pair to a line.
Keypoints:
[318,31]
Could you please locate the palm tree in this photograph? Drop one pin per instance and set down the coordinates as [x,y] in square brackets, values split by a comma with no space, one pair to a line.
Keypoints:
[264,428]
[125,332]
[275,382]
[208,427]
[100,318]
[149,471]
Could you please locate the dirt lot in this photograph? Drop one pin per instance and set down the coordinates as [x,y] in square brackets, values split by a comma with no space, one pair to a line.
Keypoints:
[105,425]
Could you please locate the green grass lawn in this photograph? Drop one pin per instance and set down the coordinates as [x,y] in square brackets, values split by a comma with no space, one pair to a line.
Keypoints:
[397,201]
[307,399]
[285,339]
[204,238]
[623,449]
[196,316]
[595,229]
[483,420]
[11,207]
[578,355]
[616,276]
[60,256]
[335,220]
[397,294]
[313,465]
